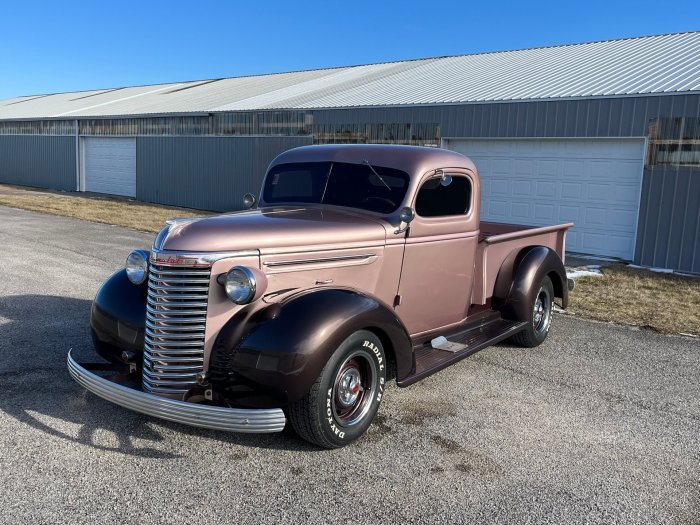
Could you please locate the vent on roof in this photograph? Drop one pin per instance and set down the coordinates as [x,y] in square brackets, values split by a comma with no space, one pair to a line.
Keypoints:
[28,99]
[95,94]
[190,87]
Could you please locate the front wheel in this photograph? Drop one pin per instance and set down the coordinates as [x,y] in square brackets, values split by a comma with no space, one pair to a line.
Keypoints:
[343,401]
[537,327]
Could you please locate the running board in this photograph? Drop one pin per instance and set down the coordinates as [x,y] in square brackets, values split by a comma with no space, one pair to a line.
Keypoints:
[430,360]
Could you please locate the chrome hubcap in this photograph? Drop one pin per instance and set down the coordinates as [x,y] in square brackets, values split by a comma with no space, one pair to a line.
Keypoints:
[353,388]
[541,313]
[350,387]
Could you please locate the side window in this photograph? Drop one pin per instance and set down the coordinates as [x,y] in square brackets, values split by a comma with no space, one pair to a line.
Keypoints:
[444,196]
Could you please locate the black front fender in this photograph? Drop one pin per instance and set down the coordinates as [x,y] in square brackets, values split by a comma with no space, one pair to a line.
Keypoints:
[118,317]
[272,356]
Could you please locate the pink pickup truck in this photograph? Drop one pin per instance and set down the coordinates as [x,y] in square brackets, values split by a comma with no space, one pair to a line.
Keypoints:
[358,264]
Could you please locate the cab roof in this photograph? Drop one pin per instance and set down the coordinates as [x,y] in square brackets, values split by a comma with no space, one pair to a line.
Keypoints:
[414,160]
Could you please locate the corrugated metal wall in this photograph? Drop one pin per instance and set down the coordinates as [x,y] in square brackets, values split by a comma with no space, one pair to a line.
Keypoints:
[668,235]
[612,117]
[211,173]
[38,160]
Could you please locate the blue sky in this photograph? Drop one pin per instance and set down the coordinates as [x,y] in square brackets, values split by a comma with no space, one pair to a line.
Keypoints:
[48,47]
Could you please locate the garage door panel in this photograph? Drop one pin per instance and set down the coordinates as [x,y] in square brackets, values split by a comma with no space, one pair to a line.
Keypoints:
[499,187]
[545,212]
[573,168]
[546,189]
[501,166]
[572,190]
[110,165]
[595,183]
[625,194]
[595,217]
[611,194]
[569,213]
[520,210]
[548,168]
[600,192]
[497,209]
[624,219]
[522,188]
[524,167]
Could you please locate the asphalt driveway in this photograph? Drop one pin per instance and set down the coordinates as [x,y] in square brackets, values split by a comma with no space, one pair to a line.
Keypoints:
[600,425]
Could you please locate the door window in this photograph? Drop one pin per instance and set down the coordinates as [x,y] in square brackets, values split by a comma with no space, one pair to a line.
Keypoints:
[442,196]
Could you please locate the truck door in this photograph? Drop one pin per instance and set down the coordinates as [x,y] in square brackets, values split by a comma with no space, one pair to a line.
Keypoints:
[438,267]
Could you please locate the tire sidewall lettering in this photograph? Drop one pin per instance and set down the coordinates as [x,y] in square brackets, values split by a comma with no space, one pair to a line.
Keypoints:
[376,351]
[328,418]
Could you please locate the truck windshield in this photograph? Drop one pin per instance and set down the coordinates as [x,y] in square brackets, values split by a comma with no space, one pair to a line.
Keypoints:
[372,188]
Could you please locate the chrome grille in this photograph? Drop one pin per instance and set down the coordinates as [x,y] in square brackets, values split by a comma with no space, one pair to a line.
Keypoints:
[176,313]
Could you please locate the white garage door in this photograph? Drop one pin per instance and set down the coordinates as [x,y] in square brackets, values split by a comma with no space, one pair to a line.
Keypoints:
[110,165]
[594,183]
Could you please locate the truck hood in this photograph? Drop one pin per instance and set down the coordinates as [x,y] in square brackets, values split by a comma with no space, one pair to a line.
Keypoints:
[272,229]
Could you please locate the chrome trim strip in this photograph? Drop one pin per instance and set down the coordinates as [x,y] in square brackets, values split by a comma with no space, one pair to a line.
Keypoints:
[183,271]
[320,260]
[160,328]
[199,258]
[178,344]
[158,353]
[205,416]
[165,288]
[174,337]
[175,294]
[173,304]
[186,359]
[157,278]
[152,311]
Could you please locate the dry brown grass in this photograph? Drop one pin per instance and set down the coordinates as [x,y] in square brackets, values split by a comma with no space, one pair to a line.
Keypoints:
[107,210]
[666,303]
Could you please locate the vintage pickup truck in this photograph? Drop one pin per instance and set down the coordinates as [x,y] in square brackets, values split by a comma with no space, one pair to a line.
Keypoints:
[359,264]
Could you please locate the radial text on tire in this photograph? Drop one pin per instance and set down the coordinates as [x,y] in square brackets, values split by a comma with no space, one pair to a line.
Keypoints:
[342,403]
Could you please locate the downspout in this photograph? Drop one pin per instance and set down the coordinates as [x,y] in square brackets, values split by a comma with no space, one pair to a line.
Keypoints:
[77,155]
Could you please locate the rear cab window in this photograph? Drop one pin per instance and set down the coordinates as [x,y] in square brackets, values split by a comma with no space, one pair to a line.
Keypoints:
[444,196]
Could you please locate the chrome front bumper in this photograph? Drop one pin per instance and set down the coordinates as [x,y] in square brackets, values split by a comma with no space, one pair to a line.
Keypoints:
[196,415]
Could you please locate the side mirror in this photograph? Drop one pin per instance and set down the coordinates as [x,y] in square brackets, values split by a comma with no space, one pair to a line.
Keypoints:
[249,200]
[406,215]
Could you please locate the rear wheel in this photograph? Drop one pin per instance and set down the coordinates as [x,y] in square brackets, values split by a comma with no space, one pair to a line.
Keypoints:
[343,401]
[537,328]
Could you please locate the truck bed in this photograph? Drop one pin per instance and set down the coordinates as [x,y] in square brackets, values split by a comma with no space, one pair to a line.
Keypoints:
[498,240]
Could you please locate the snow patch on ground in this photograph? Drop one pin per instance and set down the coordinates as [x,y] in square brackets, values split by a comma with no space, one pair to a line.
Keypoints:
[591,270]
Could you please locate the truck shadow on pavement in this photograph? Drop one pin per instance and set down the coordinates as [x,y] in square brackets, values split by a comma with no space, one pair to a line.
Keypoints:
[36,333]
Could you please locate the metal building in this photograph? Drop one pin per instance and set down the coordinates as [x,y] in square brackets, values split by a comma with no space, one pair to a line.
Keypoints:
[604,134]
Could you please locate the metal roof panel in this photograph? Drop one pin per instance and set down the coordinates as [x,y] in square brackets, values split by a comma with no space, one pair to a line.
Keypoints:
[642,65]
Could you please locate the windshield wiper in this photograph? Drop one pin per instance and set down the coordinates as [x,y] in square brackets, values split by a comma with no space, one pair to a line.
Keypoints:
[325,186]
[377,174]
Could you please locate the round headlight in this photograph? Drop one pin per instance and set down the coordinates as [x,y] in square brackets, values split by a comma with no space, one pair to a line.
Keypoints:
[240,284]
[137,266]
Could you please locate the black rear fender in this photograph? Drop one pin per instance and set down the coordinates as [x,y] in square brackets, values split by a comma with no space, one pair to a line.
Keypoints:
[518,279]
